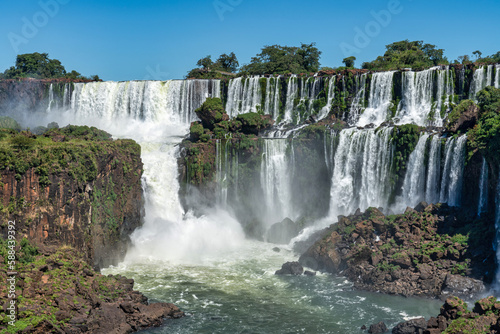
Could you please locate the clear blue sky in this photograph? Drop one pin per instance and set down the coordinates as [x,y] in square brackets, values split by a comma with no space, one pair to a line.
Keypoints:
[157,39]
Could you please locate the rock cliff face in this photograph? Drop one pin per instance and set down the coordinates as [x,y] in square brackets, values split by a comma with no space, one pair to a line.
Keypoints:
[433,251]
[82,193]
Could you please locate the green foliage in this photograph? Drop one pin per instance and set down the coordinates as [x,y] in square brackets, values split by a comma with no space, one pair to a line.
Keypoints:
[349,61]
[9,123]
[22,142]
[406,54]
[39,65]
[459,110]
[405,138]
[278,59]
[196,130]
[223,66]
[485,136]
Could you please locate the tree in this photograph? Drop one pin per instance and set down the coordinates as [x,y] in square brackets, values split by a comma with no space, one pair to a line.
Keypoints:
[227,63]
[477,53]
[464,59]
[349,61]
[205,62]
[406,54]
[39,65]
[278,59]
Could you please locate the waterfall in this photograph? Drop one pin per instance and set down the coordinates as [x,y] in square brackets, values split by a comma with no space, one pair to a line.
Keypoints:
[167,101]
[66,96]
[361,171]
[413,191]
[444,96]
[379,100]
[291,95]
[358,102]
[451,182]
[483,76]
[433,171]
[416,105]
[275,180]
[497,76]
[329,100]
[221,173]
[51,98]
[243,96]
[483,189]
[272,101]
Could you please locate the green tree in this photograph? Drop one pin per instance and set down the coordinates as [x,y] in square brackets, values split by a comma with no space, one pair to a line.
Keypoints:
[36,65]
[278,59]
[227,63]
[349,61]
[406,54]
[477,53]
[205,62]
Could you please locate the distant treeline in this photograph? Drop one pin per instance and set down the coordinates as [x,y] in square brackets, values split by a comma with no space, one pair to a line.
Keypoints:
[278,59]
[40,66]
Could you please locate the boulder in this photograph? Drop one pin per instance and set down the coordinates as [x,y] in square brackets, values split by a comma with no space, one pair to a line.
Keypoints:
[412,326]
[282,232]
[377,328]
[290,268]
[461,286]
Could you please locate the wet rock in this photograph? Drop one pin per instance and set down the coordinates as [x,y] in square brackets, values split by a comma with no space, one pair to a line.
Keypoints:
[412,326]
[461,286]
[377,328]
[309,273]
[290,268]
[282,232]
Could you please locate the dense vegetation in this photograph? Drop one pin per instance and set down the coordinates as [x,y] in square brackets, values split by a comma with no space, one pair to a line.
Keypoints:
[485,136]
[278,59]
[406,54]
[40,66]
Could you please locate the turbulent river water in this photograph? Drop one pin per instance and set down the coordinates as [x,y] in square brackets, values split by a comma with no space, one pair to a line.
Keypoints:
[237,292]
[204,264]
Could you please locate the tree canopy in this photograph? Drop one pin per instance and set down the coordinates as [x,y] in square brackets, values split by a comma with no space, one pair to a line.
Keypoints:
[40,66]
[208,69]
[277,59]
[406,54]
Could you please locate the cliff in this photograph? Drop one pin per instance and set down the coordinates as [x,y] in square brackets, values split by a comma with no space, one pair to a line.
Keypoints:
[72,186]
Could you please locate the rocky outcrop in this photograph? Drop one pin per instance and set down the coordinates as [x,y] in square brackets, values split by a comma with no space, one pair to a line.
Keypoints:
[58,292]
[416,253]
[72,186]
[290,268]
[454,317]
[282,232]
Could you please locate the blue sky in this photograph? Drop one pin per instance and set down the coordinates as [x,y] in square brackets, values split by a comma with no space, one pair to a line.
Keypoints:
[153,39]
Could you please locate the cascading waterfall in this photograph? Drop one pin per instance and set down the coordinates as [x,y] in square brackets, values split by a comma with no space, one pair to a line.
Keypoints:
[451,182]
[243,96]
[416,105]
[433,171]
[379,100]
[483,76]
[51,98]
[445,88]
[291,95]
[361,170]
[275,180]
[272,101]
[497,76]
[483,189]
[329,100]
[414,183]
[166,101]
[358,102]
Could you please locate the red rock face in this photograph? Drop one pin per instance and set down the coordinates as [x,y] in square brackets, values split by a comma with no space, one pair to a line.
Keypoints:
[96,218]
